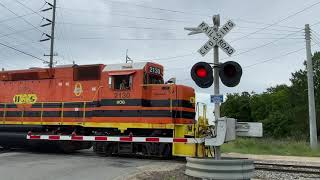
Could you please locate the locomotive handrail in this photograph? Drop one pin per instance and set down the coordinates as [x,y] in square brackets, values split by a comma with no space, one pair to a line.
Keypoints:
[170,98]
[4,113]
[62,112]
[22,115]
[96,93]
[41,113]
[84,112]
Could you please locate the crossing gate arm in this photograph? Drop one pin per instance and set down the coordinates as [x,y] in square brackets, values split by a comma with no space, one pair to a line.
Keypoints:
[249,129]
[228,129]
[114,139]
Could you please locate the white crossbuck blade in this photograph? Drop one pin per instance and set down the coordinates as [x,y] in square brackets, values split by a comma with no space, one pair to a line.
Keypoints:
[193,30]
[216,38]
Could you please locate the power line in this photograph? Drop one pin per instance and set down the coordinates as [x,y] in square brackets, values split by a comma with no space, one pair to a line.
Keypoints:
[153,28]
[315,37]
[16,17]
[191,13]
[63,30]
[281,20]
[270,59]
[171,20]
[166,58]
[274,58]
[264,45]
[129,16]
[315,34]
[159,39]
[27,7]
[114,26]
[262,23]
[24,37]
[16,32]
[1,4]
[261,28]
[315,23]
[9,56]
[25,53]
[160,9]
[185,55]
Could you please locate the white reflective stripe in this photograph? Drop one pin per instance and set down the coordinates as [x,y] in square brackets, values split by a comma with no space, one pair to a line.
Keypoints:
[89,138]
[138,139]
[44,137]
[65,138]
[166,140]
[111,138]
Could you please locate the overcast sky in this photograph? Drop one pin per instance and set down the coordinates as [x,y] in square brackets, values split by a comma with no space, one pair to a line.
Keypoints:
[100,31]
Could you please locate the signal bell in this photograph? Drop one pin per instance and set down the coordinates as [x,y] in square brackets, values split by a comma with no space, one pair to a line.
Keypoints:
[230,73]
[202,74]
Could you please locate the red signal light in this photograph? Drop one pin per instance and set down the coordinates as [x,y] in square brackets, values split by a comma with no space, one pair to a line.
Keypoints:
[201,72]
[202,75]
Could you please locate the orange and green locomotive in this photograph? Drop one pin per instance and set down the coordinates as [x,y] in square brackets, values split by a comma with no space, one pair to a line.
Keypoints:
[118,109]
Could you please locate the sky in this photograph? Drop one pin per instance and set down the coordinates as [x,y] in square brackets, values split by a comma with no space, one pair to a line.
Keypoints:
[268,37]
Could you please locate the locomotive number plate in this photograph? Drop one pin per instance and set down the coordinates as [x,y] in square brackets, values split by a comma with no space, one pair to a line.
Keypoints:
[154,70]
[25,98]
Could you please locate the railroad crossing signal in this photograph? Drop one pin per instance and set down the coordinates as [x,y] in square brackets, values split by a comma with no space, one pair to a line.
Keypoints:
[230,72]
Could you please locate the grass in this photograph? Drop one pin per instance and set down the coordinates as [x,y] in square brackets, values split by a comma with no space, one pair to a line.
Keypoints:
[270,146]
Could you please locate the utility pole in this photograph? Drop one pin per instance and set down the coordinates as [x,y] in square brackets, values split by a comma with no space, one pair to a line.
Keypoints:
[216,24]
[312,113]
[50,37]
[52,33]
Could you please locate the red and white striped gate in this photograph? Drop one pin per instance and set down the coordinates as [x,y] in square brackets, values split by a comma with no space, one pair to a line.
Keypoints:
[114,138]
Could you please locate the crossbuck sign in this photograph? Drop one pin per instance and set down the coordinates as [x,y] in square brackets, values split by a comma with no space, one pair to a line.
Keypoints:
[215,37]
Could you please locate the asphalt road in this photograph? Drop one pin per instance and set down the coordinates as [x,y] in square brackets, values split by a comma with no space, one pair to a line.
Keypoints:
[80,166]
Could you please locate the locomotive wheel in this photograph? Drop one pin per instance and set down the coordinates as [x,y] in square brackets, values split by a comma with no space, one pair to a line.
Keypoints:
[167,152]
[109,148]
[98,148]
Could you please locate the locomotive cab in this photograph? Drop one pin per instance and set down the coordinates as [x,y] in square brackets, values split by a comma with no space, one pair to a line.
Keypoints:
[140,88]
[148,106]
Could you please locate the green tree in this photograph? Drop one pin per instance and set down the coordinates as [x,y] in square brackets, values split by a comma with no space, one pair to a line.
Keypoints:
[282,109]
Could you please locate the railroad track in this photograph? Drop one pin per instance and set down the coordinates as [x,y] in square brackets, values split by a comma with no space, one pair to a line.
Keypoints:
[288,168]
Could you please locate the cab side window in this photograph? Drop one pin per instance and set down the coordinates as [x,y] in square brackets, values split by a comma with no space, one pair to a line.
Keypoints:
[123,82]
